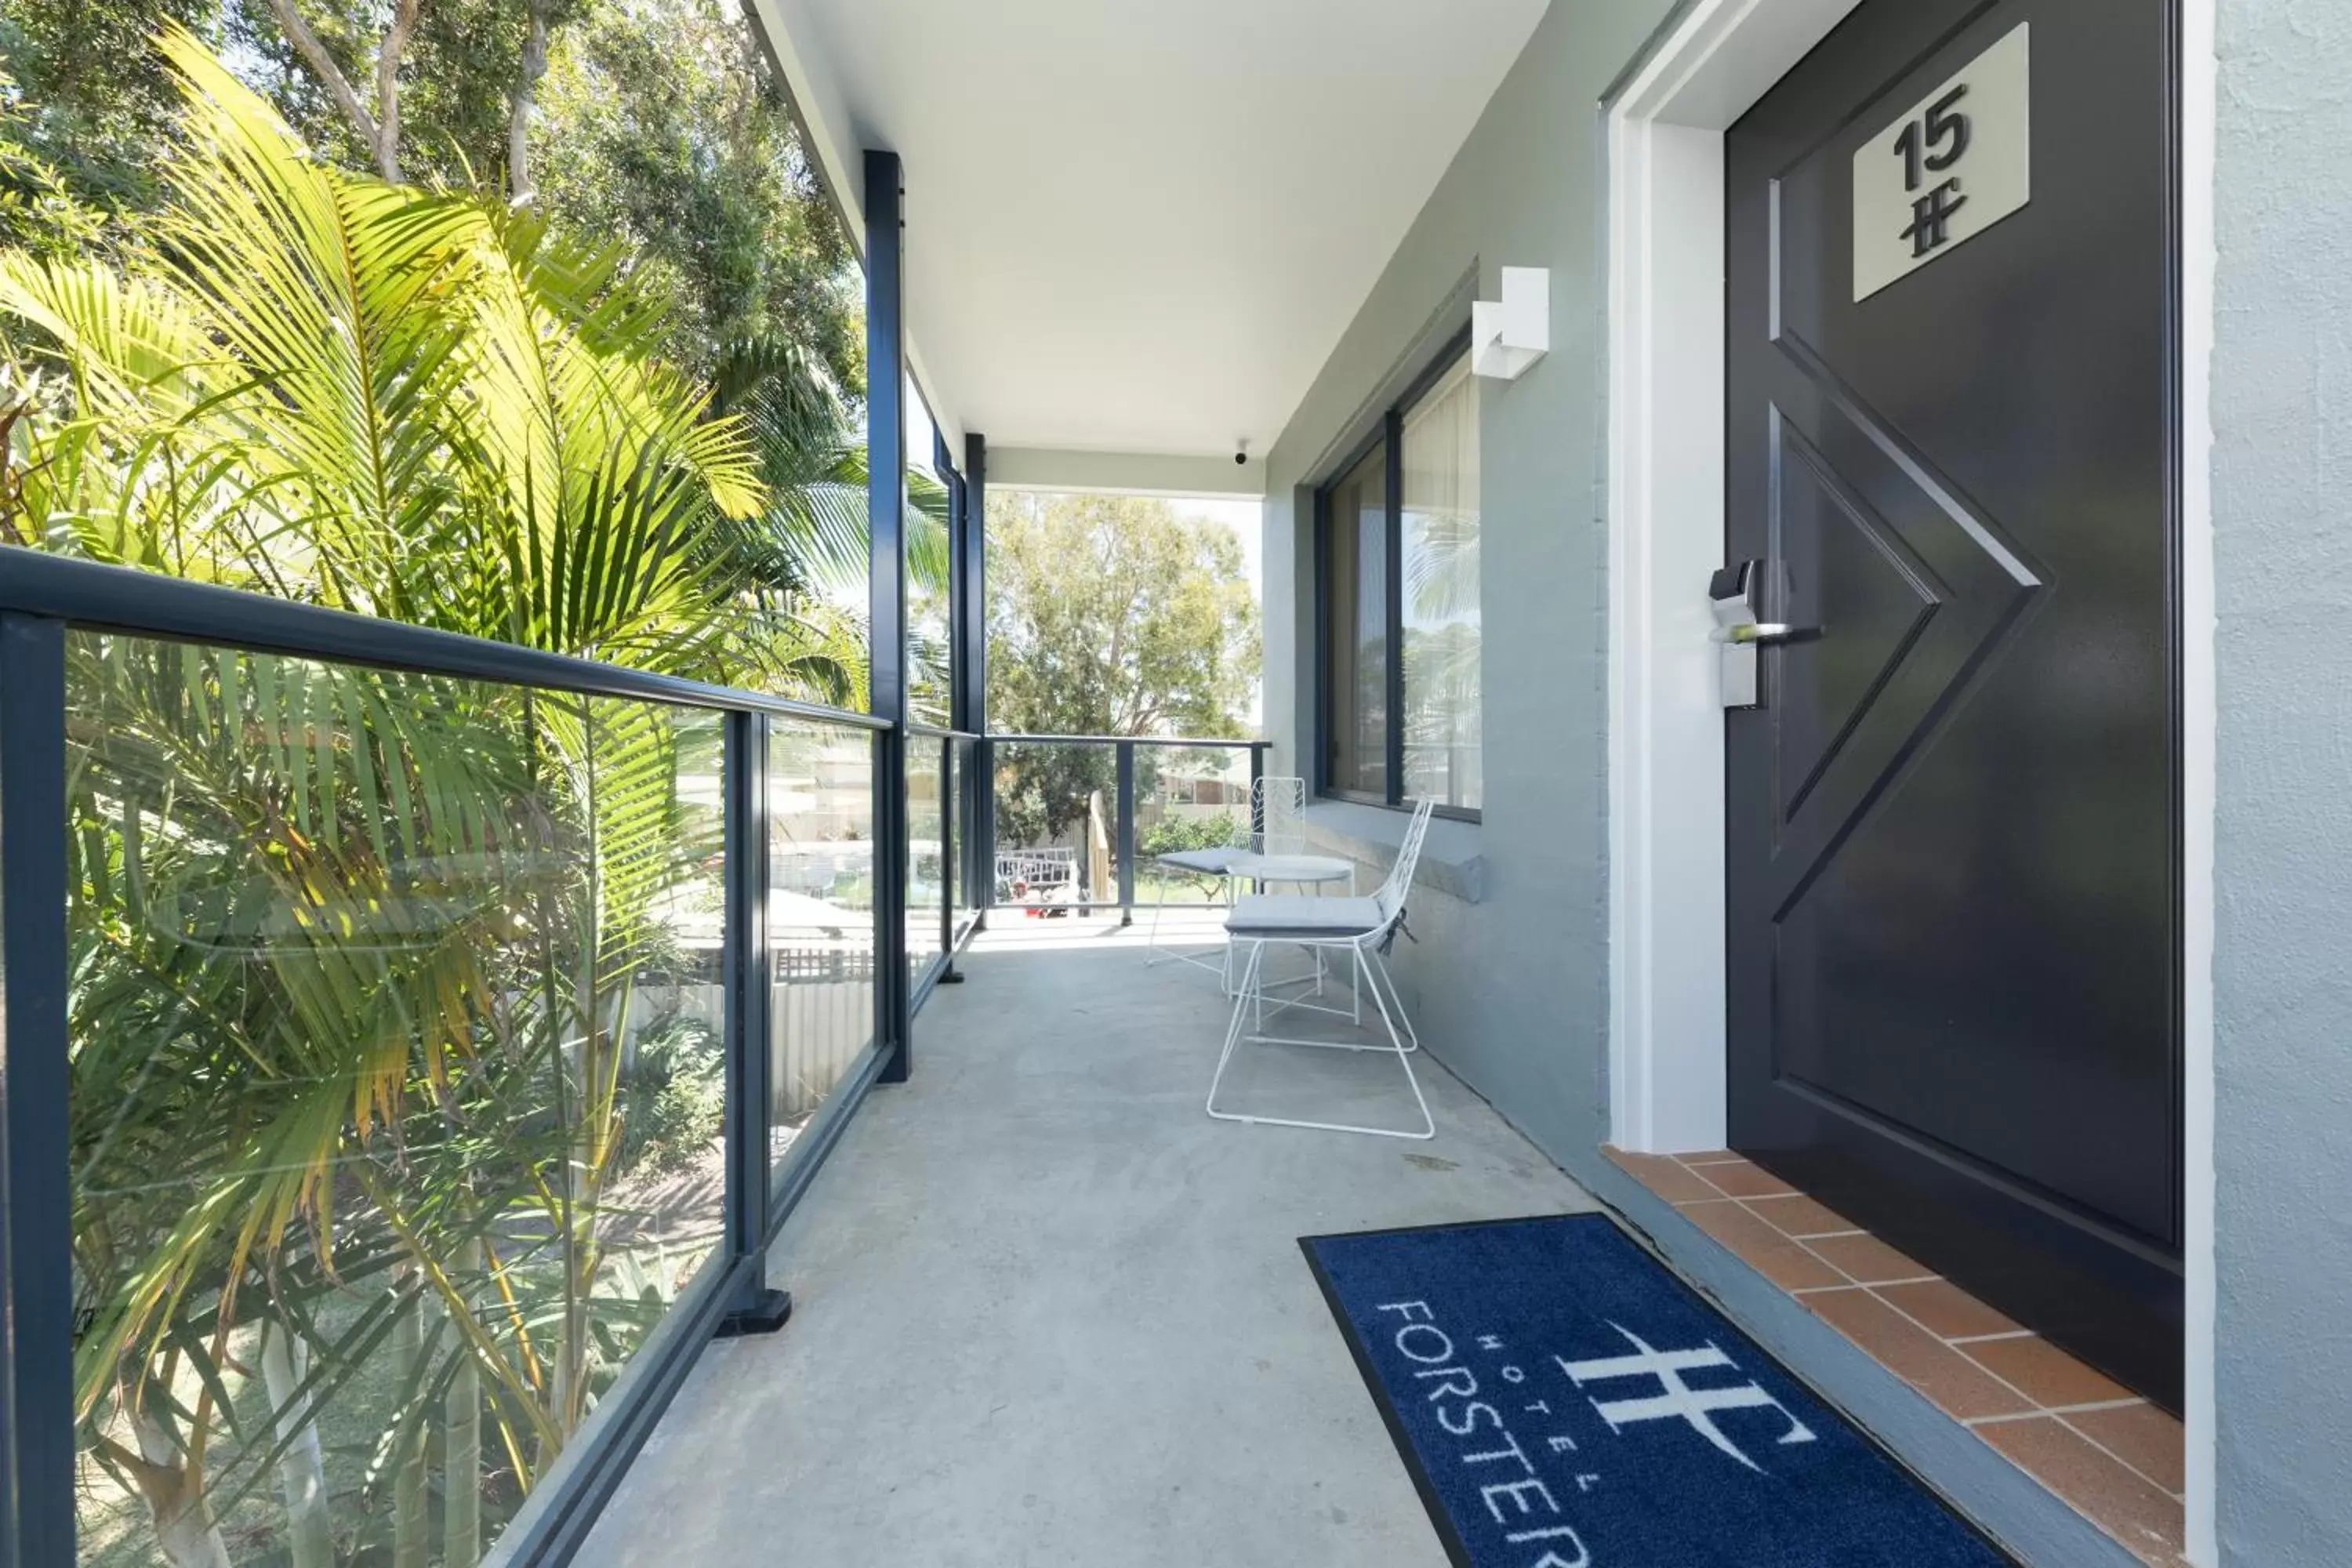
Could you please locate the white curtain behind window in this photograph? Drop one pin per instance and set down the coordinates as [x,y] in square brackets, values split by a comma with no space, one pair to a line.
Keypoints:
[1440,515]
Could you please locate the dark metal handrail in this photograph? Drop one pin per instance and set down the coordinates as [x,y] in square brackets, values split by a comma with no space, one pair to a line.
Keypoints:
[43,598]
[1124,852]
[90,596]
[1236,743]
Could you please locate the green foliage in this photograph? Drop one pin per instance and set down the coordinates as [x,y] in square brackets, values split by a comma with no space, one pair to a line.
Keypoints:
[100,103]
[1108,616]
[673,1097]
[41,211]
[1114,615]
[1174,834]
[352,950]
[660,124]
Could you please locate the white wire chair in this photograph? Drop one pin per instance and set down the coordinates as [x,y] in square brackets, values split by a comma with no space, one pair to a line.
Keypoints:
[1363,928]
[1276,825]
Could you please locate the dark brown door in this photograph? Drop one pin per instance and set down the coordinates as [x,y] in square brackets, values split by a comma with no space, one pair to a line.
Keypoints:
[1954,819]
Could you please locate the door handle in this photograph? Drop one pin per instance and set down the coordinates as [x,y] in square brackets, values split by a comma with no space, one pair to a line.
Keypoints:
[1755,632]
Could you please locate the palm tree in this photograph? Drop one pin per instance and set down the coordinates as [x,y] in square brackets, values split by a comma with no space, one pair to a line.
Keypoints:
[354,953]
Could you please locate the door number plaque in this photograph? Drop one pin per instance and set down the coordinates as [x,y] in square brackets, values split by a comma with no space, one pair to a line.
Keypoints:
[1955,163]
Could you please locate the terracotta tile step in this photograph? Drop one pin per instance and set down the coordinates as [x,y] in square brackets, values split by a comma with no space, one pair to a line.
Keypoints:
[2112,1456]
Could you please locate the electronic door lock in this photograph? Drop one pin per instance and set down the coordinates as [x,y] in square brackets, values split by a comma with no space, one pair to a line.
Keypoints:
[1733,595]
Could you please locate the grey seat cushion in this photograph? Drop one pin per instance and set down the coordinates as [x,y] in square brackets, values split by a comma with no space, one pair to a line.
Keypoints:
[1273,915]
[1213,861]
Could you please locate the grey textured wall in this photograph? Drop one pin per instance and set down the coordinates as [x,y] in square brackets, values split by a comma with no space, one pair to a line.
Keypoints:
[2283,959]
[1511,990]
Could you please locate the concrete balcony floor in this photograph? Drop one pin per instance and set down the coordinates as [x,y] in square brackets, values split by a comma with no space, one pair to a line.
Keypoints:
[1048,1312]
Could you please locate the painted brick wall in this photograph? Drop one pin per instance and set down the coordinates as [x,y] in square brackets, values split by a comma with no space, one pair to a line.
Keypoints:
[2283,962]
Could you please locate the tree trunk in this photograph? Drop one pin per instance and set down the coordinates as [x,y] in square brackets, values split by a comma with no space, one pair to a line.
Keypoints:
[521,188]
[302,1468]
[381,129]
[461,1479]
[411,1543]
[387,87]
[175,1498]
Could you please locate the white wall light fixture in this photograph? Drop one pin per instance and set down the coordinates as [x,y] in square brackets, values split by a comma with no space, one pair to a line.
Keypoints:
[1510,334]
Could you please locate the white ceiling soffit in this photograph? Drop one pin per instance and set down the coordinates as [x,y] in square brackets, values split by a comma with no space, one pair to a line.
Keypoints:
[1140,226]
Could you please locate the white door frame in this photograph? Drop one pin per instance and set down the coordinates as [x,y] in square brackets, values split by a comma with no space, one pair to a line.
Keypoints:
[1665,321]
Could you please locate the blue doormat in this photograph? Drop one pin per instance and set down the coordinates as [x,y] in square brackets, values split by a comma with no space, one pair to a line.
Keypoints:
[1564,1402]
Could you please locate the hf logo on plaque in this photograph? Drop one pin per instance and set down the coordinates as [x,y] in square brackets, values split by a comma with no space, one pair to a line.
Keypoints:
[1957,163]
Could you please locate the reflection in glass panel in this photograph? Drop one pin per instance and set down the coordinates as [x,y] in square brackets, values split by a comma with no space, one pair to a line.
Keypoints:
[1355,657]
[1440,621]
[929,502]
[926,860]
[1186,798]
[1056,824]
[398,1092]
[820,917]
[962,800]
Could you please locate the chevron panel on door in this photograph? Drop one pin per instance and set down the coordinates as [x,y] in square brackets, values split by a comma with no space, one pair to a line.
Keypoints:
[1951,828]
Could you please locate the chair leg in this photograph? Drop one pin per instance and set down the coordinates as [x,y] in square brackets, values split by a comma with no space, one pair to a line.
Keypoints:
[1404,1060]
[1254,991]
[1375,962]
[1234,1033]
[1155,955]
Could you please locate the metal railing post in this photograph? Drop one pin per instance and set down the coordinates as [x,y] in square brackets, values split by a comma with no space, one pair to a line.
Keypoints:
[1126,825]
[985,825]
[951,793]
[751,994]
[37,1267]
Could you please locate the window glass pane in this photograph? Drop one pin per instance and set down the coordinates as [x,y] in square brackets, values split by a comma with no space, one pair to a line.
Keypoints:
[1356,661]
[398,1090]
[1441,624]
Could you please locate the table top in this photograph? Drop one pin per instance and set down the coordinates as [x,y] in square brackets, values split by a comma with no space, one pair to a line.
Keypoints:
[1292,868]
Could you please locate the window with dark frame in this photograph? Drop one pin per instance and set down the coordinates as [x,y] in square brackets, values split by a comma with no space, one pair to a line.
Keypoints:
[1397,604]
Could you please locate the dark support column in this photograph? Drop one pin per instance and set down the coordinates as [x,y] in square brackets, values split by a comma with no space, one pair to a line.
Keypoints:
[971,670]
[36,1331]
[956,810]
[757,1308]
[886,511]
[1125,823]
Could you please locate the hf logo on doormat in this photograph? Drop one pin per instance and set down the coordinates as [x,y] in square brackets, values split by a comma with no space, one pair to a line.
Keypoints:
[1563,1401]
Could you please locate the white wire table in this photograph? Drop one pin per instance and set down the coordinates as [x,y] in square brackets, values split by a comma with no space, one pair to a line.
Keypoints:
[1301,871]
